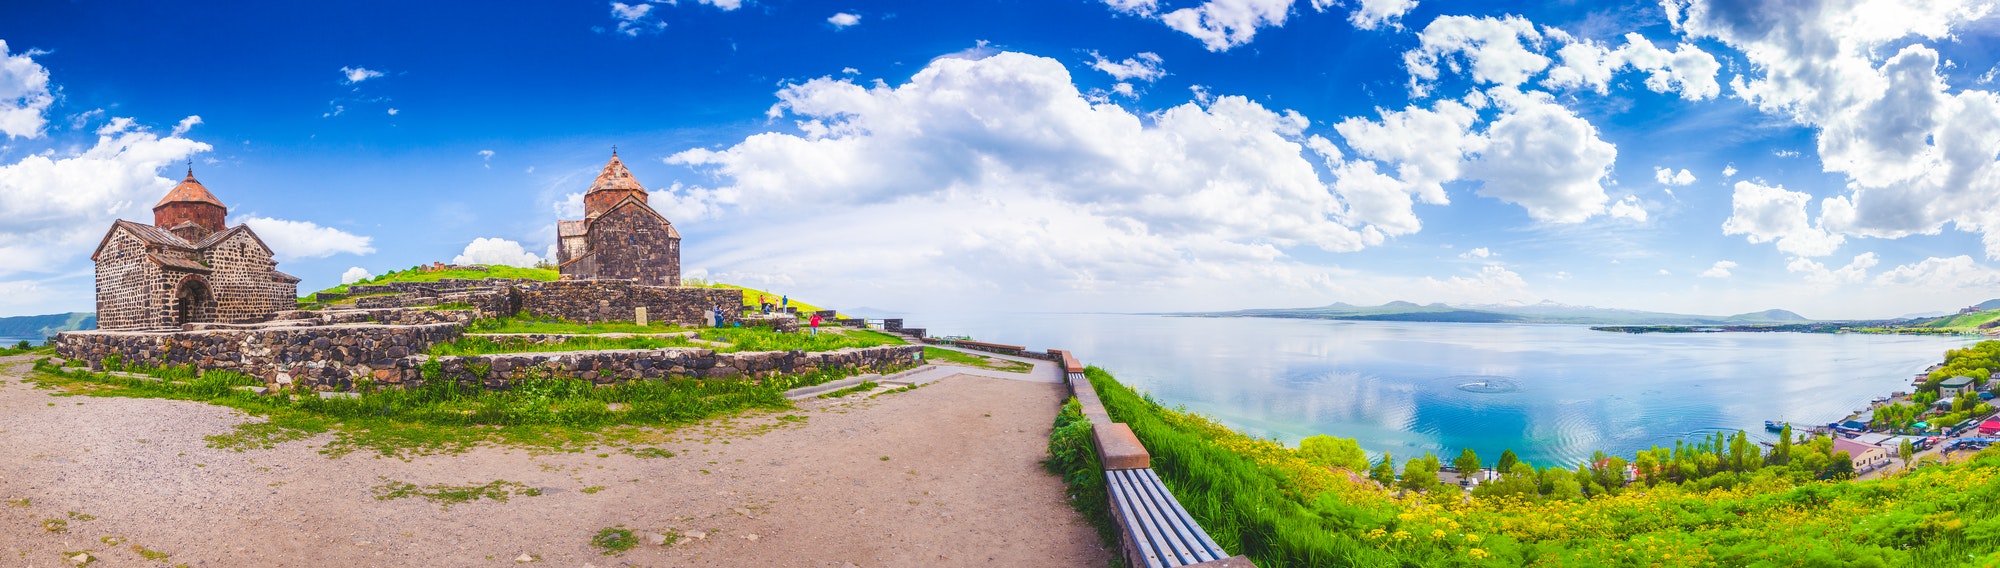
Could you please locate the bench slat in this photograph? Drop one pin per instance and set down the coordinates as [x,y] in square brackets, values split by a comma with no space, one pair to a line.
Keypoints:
[1171,537]
[1199,540]
[1121,494]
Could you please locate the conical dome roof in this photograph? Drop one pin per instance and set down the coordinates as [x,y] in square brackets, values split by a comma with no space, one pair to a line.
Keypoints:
[191,191]
[615,178]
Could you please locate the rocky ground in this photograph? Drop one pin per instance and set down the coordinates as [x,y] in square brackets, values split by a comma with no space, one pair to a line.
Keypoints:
[943,475]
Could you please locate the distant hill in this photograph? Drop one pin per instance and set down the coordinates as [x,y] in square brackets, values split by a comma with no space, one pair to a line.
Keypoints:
[1545,312]
[1989,305]
[46,325]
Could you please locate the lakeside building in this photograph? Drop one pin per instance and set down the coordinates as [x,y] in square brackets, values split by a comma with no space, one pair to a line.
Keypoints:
[1955,386]
[1864,456]
[620,236]
[187,267]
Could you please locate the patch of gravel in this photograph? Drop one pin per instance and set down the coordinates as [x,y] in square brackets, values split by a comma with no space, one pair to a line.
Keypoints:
[962,485]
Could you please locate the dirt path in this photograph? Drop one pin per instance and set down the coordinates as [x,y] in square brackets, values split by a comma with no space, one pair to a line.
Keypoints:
[944,475]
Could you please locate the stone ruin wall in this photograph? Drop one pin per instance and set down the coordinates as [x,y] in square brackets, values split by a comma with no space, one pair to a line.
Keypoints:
[592,301]
[385,337]
[315,357]
[333,358]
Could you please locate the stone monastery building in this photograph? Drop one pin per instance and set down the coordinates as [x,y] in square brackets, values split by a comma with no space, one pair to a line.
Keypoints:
[187,267]
[620,237]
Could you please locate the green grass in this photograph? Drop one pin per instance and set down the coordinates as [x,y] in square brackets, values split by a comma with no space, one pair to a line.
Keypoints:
[27,349]
[447,495]
[1073,458]
[736,339]
[750,295]
[417,274]
[470,345]
[524,323]
[545,410]
[1964,322]
[865,386]
[763,339]
[614,540]
[935,354]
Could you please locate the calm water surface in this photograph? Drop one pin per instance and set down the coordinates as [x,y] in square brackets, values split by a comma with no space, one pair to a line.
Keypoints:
[1552,393]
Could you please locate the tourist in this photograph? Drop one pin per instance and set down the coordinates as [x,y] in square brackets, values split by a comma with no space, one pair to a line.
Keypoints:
[814,322]
[784,303]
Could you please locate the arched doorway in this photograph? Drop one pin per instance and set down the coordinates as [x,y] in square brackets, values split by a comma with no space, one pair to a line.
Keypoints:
[193,302]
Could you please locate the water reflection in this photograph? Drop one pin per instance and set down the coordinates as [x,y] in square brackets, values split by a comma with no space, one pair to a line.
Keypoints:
[1558,393]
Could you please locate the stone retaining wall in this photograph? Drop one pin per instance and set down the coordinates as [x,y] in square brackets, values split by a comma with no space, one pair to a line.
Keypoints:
[592,301]
[315,357]
[606,367]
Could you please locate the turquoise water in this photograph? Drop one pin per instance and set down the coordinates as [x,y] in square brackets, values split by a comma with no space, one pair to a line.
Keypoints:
[1553,393]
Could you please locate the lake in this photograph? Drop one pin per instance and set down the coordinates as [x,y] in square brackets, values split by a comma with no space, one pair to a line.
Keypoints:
[1553,393]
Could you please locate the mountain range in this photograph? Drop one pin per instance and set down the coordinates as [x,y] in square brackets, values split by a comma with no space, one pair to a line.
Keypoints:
[1544,312]
[37,327]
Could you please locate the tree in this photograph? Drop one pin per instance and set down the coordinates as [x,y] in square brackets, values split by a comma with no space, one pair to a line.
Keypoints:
[1385,472]
[1420,474]
[1842,466]
[1507,461]
[1782,453]
[1467,465]
[1328,451]
[1906,451]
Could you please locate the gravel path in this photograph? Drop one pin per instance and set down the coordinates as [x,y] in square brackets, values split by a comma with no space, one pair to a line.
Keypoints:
[944,475]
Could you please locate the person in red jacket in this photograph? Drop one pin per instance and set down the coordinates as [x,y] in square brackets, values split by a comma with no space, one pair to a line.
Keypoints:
[815,323]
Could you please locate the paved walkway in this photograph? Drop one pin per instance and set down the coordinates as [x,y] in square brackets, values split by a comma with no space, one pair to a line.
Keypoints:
[1044,371]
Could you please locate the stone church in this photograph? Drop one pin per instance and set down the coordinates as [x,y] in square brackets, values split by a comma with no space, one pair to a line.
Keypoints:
[620,237]
[187,267]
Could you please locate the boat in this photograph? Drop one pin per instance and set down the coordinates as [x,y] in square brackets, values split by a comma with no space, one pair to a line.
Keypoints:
[1774,425]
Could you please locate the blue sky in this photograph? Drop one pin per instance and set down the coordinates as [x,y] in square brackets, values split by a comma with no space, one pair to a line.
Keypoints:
[1839,156]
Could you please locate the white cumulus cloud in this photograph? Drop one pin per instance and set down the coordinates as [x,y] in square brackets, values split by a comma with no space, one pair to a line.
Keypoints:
[1771,213]
[1667,176]
[1719,270]
[24,94]
[1006,162]
[1144,67]
[1371,14]
[1919,154]
[352,75]
[1941,273]
[1481,252]
[1502,51]
[842,20]
[305,239]
[1545,158]
[1816,273]
[635,19]
[355,274]
[499,251]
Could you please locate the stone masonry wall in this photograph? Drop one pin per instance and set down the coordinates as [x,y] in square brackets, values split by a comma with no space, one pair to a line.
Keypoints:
[332,358]
[591,301]
[606,367]
[316,357]
[241,280]
[124,286]
[629,243]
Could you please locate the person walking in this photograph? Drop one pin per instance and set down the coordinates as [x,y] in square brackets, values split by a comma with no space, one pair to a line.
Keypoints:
[815,323]
[784,303]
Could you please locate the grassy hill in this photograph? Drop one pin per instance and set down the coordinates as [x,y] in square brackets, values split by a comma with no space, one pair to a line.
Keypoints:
[1962,322]
[418,274]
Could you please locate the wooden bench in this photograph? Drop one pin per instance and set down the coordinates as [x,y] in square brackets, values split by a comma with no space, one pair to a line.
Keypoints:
[1158,533]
